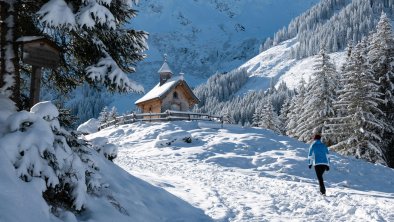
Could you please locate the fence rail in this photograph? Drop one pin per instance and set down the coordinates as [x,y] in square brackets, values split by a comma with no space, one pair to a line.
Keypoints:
[168,115]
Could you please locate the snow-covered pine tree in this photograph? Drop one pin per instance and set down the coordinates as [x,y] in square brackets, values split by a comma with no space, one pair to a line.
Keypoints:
[88,102]
[360,128]
[113,114]
[94,40]
[268,118]
[227,118]
[256,118]
[62,166]
[284,113]
[104,116]
[340,110]
[296,108]
[319,98]
[381,57]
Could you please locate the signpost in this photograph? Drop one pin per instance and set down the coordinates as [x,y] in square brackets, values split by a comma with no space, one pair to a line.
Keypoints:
[39,52]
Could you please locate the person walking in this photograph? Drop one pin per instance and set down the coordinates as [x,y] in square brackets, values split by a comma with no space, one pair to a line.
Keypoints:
[318,157]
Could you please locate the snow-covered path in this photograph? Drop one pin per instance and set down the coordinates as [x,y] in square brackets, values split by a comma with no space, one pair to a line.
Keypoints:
[237,174]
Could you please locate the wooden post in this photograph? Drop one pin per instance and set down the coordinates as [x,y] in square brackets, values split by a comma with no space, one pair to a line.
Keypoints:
[35,85]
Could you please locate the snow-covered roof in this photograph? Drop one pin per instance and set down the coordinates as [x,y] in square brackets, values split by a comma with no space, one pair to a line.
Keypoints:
[164,68]
[160,91]
[29,38]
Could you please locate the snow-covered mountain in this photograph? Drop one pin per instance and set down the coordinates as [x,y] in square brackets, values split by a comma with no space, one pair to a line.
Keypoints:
[288,56]
[201,37]
[278,65]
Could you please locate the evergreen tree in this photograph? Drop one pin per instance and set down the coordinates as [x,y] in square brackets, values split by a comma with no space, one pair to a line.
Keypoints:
[104,116]
[113,114]
[268,118]
[256,118]
[284,113]
[43,152]
[296,108]
[95,43]
[381,56]
[359,129]
[227,118]
[318,106]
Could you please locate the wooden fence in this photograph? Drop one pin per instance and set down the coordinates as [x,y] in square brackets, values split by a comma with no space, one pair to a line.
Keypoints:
[168,115]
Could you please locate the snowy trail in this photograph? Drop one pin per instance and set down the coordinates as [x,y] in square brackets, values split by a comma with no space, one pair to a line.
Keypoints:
[235,196]
[231,181]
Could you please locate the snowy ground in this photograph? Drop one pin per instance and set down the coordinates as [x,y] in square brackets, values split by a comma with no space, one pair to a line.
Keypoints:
[248,174]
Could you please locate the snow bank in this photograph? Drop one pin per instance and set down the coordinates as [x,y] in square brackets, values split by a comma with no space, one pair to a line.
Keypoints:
[173,138]
[37,161]
[244,174]
[90,126]
[102,146]
[211,125]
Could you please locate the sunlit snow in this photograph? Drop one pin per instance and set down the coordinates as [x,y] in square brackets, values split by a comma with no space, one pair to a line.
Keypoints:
[250,174]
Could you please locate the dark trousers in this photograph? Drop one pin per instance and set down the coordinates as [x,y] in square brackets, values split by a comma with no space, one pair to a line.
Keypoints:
[319,173]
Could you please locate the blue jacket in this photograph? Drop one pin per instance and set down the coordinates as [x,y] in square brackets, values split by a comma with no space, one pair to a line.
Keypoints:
[318,154]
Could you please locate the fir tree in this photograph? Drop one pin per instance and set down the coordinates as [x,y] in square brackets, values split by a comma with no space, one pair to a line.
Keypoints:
[227,118]
[95,43]
[284,113]
[104,116]
[381,56]
[113,114]
[256,118]
[296,108]
[268,118]
[359,129]
[318,106]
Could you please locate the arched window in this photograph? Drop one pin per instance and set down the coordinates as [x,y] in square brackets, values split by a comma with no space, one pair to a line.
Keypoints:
[175,95]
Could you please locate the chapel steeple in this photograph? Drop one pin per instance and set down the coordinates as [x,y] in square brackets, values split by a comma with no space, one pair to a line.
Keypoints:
[165,71]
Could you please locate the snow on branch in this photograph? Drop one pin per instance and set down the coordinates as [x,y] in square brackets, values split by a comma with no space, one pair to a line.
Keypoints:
[55,14]
[107,70]
[94,13]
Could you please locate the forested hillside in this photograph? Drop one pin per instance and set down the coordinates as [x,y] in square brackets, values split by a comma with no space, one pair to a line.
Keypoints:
[332,24]
[351,104]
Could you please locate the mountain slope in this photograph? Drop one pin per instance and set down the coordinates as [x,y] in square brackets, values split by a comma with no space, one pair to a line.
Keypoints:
[277,63]
[250,174]
[290,54]
[202,37]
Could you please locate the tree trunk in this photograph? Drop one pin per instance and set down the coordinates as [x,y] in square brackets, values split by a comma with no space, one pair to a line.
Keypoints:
[9,73]
[3,29]
[16,88]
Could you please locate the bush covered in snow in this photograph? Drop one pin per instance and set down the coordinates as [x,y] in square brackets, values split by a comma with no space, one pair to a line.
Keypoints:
[41,150]
[102,146]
